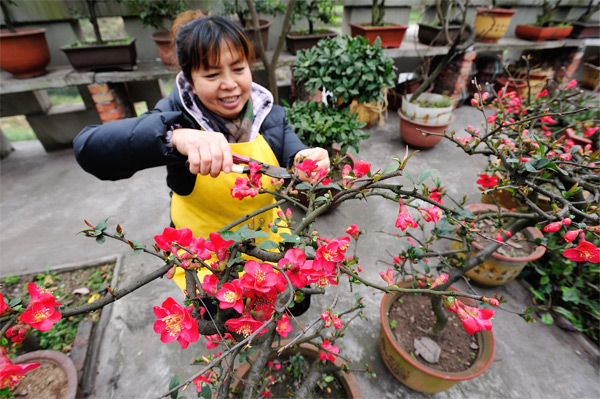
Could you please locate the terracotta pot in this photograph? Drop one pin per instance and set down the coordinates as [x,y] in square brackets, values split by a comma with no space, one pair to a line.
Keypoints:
[539,34]
[491,24]
[591,76]
[295,42]
[264,26]
[102,57]
[517,85]
[24,54]
[347,380]
[48,358]
[417,375]
[499,269]
[410,132]
[166,49]
[436,35]
[585,30]
[391,36]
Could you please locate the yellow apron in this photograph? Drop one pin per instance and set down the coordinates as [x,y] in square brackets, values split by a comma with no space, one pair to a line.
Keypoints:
[210,206]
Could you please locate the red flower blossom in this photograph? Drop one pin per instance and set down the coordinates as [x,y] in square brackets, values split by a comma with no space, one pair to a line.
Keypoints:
[283,326]
[388,276]
[334,250]
[3,306]
[583,252]
[230,296]
[11,374]
[322,278]
[571,84]
[473,319]
[259,276]
[552,227]
[209,284]
[18,332]
[307,165]
[329,351]
[243,188]
[361,168]
[441,279]
[404,219]
[219,246]
[572,235]
[244,325]
[175,323]
[293,262]
[212,341]
[40,313]
[431,214]
[263,305]
[436,196]
[353,231]
[170,236]
[208,378]
[487,181]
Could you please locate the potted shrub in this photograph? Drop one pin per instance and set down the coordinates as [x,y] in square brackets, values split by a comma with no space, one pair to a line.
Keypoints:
[101,55]
[491,23]
[391,34]
[446,28]
[348,70]
[239,9]
[312,11]
[153,13]
[585,27]
[545,28]
[25,52]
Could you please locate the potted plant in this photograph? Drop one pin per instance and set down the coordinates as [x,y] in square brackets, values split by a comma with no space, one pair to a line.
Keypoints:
[391,34]
[25,52]
[491,23]
[584,26]
[153,13]
[347,70]
[101,55]
[312,11]
[545,28]
[240,10]
[446,28]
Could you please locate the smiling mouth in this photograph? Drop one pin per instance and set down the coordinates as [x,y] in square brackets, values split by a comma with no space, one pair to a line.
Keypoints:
[229,100]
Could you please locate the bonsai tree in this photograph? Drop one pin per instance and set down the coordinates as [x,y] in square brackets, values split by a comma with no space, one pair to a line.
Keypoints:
[313,11]
[546,17]
[4,5]
[153,13]
[242,11]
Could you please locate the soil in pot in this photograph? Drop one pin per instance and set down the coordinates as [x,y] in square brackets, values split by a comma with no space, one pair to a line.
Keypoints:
[516,246]
[413,318]
[48,381]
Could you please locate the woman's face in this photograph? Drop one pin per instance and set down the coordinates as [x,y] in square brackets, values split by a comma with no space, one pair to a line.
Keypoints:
[224,88]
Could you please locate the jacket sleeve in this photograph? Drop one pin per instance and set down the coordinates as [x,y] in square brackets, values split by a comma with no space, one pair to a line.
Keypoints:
[281,138]
[118,149]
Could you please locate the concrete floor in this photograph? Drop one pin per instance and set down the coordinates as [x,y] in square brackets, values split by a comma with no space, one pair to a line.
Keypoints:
[45,197]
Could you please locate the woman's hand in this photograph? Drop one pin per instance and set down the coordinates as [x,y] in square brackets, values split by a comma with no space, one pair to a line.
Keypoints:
[318,154]
[207,152]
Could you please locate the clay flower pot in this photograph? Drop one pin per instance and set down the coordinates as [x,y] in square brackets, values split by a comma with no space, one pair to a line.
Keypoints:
[25,53]
[166,49]
[417,375]
[491,24]
[56,374]
[500,269]
[539,34]
[411,131]
[391,35]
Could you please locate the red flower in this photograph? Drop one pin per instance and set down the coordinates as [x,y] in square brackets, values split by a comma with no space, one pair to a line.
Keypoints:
[170,236]
[441,279]
[207,378]
[263,305]
[244,325]
[361,168]
[307,166]
[388,276]
[175,323]
[329,351]
[552,227]
[571,84]
[436,196]
[473,319]
[283,326]
[40,313]
[404,219]
[230,296]
[571,235]
[294,264]
[487,181]
[219,246]
[212,341]
[353,231]
[209,284]
[11,374]
[259,276]
[18,332]
[322,278]
[583,252]
[431,214]
[243,188]
[334,250]
[3,306]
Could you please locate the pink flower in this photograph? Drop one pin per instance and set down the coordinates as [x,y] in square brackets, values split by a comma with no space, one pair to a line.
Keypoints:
[259,276]
[571,84]
[436,196]
[219,246]
[307,165]
[3,306]
[566,156]
[388,276]
[40,313]
[244,325]
[263,305]
[329,351]
[571,235]
[361,168]
[547,119]
[473,319]
[590,131]
[404,219]
[283,326]
[209,284]
[243,188]
[230,296]
[170,236]
[491,119]
[552,227]
[293,262]
[566,221]
[431,214]
[491,301]
[175,323]
[18,332]
[212,341]
[353,231]
[11,374]
[487,181]
[441,279]
[397,260]
[584,252]
[207,378]
[334,250]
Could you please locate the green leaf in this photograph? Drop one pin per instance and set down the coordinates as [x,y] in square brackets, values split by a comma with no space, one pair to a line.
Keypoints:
[268,244]
[544,280]
[529,166]
[174,382]
[303,186]
[231,235]
[100,239]
[540,164]
[569,294]
[293,238]
[408,176]
[538,294]
[14,302]
[547,319]
[390,169]
[248,234]
[206,391]
[425,174]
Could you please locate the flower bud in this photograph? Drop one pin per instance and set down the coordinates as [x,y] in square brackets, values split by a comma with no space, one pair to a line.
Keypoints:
[566,221]
[571,235]
[171,273]
[491,301]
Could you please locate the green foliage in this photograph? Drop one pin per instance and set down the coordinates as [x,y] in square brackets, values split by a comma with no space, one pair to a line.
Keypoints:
[296,365]
[153,12]
[350,68]
[322,126]
[566,288]
[313,11]
[240,9]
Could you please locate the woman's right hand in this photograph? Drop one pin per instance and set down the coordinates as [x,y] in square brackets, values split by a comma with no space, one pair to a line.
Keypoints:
[207,152]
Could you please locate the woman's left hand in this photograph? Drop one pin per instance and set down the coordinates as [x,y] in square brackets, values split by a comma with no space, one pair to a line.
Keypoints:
[318,154]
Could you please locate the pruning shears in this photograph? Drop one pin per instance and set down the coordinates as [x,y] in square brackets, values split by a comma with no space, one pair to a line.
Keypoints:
[241,166]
